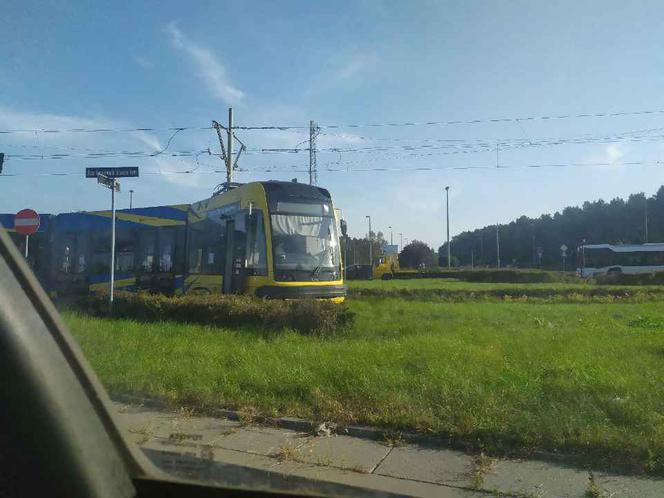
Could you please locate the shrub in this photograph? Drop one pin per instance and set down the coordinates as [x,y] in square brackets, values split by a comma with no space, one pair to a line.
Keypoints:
[492,276]
[656,278]
[306,315]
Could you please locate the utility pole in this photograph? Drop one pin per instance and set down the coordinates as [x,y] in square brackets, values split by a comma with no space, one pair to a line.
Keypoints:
[390,227]
[370,242]
[229,143]
[227,155]
[645,221]
[447,200]
[131,198]
[401,242]
[532,249]
[497,245]
[313,133]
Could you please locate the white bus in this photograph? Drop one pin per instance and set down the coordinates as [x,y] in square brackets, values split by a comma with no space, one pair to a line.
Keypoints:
[611,259]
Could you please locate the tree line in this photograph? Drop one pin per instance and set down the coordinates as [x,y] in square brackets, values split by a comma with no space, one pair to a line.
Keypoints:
[533,242]
[525,239]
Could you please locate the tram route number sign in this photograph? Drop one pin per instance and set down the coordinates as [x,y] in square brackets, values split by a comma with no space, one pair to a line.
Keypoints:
[128,172]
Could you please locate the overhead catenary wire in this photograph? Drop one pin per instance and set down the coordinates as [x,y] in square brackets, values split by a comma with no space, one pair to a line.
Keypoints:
[349,125]
[293,168]
[102,130]
[462,122]
[101,155]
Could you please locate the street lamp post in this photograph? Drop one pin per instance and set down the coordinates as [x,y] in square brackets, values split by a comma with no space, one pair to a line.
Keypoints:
[497,245]
[447,202]
[645,221]
[370,242]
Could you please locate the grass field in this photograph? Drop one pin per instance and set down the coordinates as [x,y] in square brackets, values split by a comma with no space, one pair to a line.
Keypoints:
[455,290]
[581,378]
[448,283]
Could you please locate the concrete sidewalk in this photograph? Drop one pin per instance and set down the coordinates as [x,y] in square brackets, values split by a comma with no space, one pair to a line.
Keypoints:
[177,441]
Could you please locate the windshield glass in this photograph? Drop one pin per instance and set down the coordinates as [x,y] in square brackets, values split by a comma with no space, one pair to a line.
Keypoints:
[434,218]
[302,242]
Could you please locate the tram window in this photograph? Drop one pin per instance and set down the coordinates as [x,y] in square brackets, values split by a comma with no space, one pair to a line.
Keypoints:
[195,250]
[166,250]
[81,263]
[67,253]
[256,248]
[178,256]
[206,246]
[124,250]
[146,252]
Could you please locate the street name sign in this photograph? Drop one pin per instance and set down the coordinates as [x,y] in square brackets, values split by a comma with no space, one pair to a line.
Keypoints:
[127,172]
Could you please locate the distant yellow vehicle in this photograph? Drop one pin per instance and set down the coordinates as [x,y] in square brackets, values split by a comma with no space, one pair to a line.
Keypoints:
[387,263]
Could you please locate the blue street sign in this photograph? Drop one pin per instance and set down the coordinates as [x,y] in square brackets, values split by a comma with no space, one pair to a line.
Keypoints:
[127,172]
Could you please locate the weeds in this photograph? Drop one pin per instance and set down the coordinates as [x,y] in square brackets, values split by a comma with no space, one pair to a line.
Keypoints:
[394,439]
[481,466]
[593,490]
[286,454]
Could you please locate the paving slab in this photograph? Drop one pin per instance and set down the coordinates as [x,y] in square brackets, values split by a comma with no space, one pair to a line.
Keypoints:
[428,465]
[535,478]
[266,441]
[182,439]
[143,425]
[344,452]
[629,487]
[195,461]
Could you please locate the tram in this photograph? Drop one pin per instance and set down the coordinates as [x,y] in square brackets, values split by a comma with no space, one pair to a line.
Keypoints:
[273,239]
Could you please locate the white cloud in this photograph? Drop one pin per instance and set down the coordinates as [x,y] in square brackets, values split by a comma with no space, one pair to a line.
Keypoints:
[354,66]
[153,169]
[611,154]
[614,153]
[210,69]
[144,62]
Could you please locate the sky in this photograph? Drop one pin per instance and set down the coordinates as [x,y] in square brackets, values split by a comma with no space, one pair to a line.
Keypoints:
[491,78]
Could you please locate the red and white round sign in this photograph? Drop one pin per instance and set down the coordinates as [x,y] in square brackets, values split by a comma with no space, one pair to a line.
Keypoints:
[26,222]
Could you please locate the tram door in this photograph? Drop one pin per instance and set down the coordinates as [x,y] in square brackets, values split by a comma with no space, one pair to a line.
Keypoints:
[234,264]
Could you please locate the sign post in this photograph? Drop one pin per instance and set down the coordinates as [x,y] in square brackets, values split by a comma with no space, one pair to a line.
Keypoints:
[107,177]
[563,253]
[114,186]
[26,222]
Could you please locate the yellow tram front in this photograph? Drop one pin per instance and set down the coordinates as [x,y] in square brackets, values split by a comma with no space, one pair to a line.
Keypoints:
[273,239]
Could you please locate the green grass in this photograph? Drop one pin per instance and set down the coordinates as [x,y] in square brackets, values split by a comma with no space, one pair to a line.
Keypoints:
[440,283]
[456,291]
[587,379]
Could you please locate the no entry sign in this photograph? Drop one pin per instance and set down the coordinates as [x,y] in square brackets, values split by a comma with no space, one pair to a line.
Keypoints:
[26,222]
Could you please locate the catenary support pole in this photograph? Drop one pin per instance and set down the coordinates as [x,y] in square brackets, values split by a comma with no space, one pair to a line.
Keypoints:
[229,146]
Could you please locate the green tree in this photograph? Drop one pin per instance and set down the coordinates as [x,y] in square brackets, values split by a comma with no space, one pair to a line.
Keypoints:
[595,222]
[415,254]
